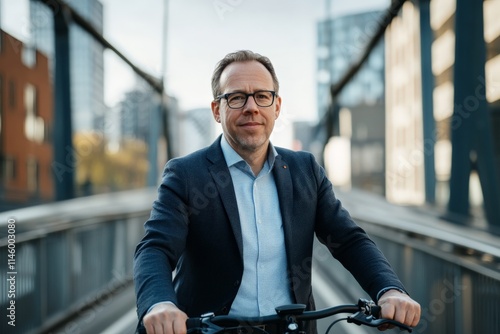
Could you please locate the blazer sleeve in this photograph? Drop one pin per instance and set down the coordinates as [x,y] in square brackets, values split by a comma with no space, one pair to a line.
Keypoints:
[348,242]
[157,254]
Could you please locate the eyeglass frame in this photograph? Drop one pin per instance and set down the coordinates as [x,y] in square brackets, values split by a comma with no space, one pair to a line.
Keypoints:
[225,96]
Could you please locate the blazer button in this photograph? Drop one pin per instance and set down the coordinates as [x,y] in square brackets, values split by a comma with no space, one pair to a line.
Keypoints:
[224,310]
[236,283]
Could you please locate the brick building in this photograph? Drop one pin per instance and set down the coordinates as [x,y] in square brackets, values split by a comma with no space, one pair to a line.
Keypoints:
[26,114]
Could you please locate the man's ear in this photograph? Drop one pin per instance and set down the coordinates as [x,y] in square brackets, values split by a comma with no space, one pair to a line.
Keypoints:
[215,105]
[278,106]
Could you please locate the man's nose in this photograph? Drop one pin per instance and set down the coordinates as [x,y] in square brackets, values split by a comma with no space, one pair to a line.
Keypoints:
[250,105]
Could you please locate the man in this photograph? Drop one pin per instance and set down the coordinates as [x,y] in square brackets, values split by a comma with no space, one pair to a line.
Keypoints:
[237,219]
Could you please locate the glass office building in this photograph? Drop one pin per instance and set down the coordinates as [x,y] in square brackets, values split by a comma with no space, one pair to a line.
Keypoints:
[355,155]
[86,60]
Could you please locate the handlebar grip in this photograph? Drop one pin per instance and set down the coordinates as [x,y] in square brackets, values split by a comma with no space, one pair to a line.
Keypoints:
[362,319]
[192,323]
[375,311]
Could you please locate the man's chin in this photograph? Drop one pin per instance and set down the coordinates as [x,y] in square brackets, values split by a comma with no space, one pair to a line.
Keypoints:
[251,144]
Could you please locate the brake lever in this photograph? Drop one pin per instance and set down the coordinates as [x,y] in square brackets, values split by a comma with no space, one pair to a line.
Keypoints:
[359,318]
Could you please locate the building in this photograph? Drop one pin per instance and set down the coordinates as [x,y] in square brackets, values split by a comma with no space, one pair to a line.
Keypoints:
[26,106]
[135,114]
[404,131]
[86,60]
[341,40]
[355,156]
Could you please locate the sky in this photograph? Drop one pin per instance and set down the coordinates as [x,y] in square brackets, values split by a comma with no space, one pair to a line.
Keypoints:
[201,32]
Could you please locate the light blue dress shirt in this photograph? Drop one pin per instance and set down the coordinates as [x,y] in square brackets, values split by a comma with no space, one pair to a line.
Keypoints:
[265,281]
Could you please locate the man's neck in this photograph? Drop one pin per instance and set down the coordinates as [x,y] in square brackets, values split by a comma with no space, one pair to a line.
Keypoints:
[256,161]
[255,158]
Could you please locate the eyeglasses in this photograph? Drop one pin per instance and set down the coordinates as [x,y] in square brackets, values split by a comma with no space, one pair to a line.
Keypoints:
[263,98]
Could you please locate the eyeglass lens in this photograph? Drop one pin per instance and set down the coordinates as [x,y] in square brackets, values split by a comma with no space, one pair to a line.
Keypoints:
[262,99]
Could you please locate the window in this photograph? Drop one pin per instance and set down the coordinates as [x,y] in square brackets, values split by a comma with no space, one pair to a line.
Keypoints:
[28,55]
[34,126]
[30,100]
[12,94]
[33,174]
[9,168]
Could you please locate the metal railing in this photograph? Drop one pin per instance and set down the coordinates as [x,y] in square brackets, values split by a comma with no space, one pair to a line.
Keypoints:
[70,255]
[61,258]
[452,271]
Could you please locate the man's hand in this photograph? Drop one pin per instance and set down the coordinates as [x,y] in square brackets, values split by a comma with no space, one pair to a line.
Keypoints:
[165,319]
[400,307]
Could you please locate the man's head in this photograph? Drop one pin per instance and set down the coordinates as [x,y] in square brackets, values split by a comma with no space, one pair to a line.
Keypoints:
[246,102]
[241,56]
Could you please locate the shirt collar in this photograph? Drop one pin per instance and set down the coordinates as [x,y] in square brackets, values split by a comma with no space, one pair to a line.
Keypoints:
[232,157]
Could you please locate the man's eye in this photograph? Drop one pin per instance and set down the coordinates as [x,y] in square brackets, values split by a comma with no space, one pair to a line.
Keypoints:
[263,96]
[237,97]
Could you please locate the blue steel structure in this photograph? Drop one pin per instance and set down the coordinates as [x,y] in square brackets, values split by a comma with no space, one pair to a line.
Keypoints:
[429,125]
[468,69]
[64,163]
[472,139]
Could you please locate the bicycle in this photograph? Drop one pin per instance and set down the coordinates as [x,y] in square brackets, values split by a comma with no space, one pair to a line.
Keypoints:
[365,312]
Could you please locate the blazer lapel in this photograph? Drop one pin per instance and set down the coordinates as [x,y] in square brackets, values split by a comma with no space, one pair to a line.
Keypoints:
[283,180]
[222,179]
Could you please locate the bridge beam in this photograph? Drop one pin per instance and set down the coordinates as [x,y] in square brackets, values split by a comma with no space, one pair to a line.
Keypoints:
[64,163]
[471,136]
[429,124]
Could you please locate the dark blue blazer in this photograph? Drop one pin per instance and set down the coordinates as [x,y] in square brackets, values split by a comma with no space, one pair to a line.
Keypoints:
[194,228]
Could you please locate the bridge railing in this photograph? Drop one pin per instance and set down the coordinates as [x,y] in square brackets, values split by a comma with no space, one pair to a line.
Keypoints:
[452,271]
[57,259]
[67,256]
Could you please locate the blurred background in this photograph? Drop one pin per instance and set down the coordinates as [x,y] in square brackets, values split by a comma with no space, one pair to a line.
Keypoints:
[398,100]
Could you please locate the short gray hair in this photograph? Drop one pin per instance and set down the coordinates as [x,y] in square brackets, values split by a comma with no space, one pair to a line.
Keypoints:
[241,56]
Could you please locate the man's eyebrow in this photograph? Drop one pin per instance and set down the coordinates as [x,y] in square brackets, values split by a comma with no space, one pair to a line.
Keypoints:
[244,91]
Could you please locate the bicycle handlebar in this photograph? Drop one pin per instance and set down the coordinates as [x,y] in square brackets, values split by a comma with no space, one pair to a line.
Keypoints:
[364,313]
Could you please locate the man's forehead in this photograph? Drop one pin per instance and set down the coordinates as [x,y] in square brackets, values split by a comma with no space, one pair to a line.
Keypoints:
[245,71]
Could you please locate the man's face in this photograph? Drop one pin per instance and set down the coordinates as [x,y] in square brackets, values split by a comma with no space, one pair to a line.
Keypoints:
[247,129]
